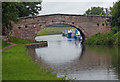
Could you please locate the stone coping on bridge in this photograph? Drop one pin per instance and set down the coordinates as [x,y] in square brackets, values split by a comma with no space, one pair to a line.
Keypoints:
[63,15]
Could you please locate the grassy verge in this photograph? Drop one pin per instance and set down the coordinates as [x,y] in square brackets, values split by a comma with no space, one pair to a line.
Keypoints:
[53,30]
[19,41]
[110,38]
[16,41]
[5,44]
[17,65]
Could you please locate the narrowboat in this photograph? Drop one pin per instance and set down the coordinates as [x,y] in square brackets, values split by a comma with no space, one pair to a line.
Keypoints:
[72,33]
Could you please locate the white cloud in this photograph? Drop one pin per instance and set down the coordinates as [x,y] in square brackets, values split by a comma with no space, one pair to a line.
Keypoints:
[72,6]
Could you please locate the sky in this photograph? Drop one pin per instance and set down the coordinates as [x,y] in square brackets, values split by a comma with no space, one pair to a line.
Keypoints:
[72,6]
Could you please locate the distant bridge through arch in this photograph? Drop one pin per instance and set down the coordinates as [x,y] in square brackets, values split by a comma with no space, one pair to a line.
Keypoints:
[28,27]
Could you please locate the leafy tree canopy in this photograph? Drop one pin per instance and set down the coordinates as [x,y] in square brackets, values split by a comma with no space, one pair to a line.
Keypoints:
[12,10]
[115,20]
[95,11]
[29,8]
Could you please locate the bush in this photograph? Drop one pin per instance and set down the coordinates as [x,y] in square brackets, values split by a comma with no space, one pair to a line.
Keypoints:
[110,38]
[117,38]
[115,29]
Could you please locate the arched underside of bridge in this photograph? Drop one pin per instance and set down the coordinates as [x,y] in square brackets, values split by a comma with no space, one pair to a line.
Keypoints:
[28,27]
[30,34]
[79,28]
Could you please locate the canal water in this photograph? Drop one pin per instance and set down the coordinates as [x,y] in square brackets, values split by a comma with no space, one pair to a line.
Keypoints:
[70,58]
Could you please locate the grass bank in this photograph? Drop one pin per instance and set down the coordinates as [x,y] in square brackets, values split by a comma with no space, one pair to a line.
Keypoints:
[17,65]
[19,41]
[5,44]
[110,38]
[53,30]
[16,41]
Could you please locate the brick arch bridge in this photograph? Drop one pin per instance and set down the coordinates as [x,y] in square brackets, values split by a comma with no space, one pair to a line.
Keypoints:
[28,27]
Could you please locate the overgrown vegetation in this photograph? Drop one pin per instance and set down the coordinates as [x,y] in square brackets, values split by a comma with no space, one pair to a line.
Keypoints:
[112,37]
[12,10]
[53,30]
[115,19]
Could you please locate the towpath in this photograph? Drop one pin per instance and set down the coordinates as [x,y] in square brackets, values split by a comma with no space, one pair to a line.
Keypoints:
[12,44]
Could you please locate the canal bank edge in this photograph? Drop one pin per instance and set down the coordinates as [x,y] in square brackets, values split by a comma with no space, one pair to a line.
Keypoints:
[38,44]
[27,64]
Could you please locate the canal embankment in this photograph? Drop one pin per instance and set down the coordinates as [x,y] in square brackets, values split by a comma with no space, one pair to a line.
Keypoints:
[37,45]
[110,38]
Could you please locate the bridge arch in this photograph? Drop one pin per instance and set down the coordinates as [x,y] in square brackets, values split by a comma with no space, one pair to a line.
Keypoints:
[81,30]
[28,27]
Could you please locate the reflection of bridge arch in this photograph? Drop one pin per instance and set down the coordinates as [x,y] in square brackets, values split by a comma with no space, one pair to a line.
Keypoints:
[28,27]
[89,62]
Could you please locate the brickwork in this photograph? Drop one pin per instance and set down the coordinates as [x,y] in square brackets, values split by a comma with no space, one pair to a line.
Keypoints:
[28,27]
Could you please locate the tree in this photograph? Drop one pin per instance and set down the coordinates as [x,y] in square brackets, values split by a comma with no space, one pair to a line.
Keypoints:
[115,19]
[95,11]
[31,8]
[9,13]
[12,10]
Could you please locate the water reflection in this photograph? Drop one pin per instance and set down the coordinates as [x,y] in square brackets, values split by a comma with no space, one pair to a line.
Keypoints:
[113,52]
[69,50]
[78,61]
